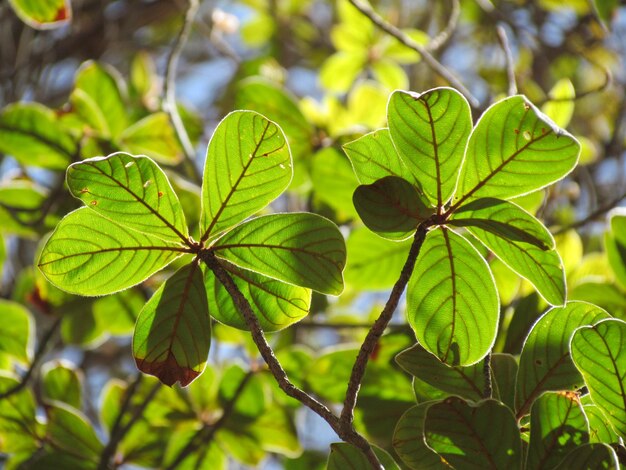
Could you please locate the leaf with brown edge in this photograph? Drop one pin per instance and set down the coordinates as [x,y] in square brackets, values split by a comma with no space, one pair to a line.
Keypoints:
[173,331]
[43,14]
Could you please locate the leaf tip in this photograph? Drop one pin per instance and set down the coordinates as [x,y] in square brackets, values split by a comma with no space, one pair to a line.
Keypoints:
[168,371]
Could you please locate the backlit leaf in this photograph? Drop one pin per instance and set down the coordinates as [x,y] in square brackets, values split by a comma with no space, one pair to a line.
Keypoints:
[90,255]
[16,330]
[43,14]
[173,331]
[557,427]
[599,353]
[153,136]
[484,435]
[545,362]
[430,131]
[590,457]
[560,107]
[132,191]
[17,414]
[452,303]
[334,181]
[299,248]
[248,165]
[62,382]
[70,431]
[513,150]
[599,428]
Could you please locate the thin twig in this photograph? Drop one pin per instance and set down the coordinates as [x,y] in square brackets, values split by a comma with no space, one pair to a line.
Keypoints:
[39,353]
[434,64]
[508,56]
[205,434]
[444,35]
[348,434]
[592,215]
[371,340]
[169,91]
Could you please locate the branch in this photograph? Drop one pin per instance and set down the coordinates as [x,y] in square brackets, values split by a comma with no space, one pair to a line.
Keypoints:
[169,91]
[371,340]
[592,215]
[434,64]
[39,353]
[444,35]
[347,433]
[508,56]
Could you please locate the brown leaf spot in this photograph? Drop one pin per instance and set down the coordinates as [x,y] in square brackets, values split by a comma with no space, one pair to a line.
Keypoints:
[160,194]
[94,203]
[169,371]
[84,190]
[62,14]
[516,131]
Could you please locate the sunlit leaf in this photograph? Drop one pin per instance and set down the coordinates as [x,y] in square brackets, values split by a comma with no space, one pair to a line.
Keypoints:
[590,457]
[452,303]
[599,428]
[513,150]
[465,435]
[334,181]
[207,456]
[16,330]
[62,382]
[340,70]
[519,240]
[18,420]
[504,371]
[116,314]
[248,165]
[153,136]
[173,331]
[132,191]
[557,427]
[143,78]
[430,131]
[32,134]
[599,353]
[343,456]
[299,248]
[545,362]
[43,14]
[560,106]
[90,255]
[70,431]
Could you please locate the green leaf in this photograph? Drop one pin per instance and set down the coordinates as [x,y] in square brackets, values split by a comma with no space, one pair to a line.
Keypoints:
[117,314]
[275,304]
[62,382]
[143,76]
[207,456]
[251,401]
[373,262]
[173,331]
[478,436]
[21,206]
[98,99]
[545,362]
[276,432]
[560,107]
[391,207]
[340,70]
[504,369]
[599,428]
[514,150]
[16,330]
[430,131]
[452,303]
[70,431]
[590,457]
[153,136]
[33,135]
[90,255]
[334,181]
[467,382]
[389,74]
[408,441]
[599,352]
[132,191]
[343,456]
[557,427]
[18,422]
[43,14]
[299,248]
[519,240]
[248,165]
[374,156]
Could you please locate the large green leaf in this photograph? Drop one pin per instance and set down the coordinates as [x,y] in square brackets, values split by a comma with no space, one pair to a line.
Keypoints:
[599,353]
[173,331]
[16,330]
[373,262]
[545,362]
[599,428]
[299,248]
[590,457]
[90,255]
[153,136]
[43,14]
[408,441]
[467,382]
[248,165]
[513,150]
[519,240]
[557,426]
[132,191]
[70,431]
[32,134]
[484,435]
[430,131]
[61,382]
[98,98]
[374,156]
[346,456]
[391,207]
[275,304]
[452,303]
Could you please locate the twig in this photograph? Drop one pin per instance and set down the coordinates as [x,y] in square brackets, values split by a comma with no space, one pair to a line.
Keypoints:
[39,353]
[508,56]
[488,390]
[444,35]
[592,215]
[205,434]
[348,434]
[434,64]
[169,91]
[371,340]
